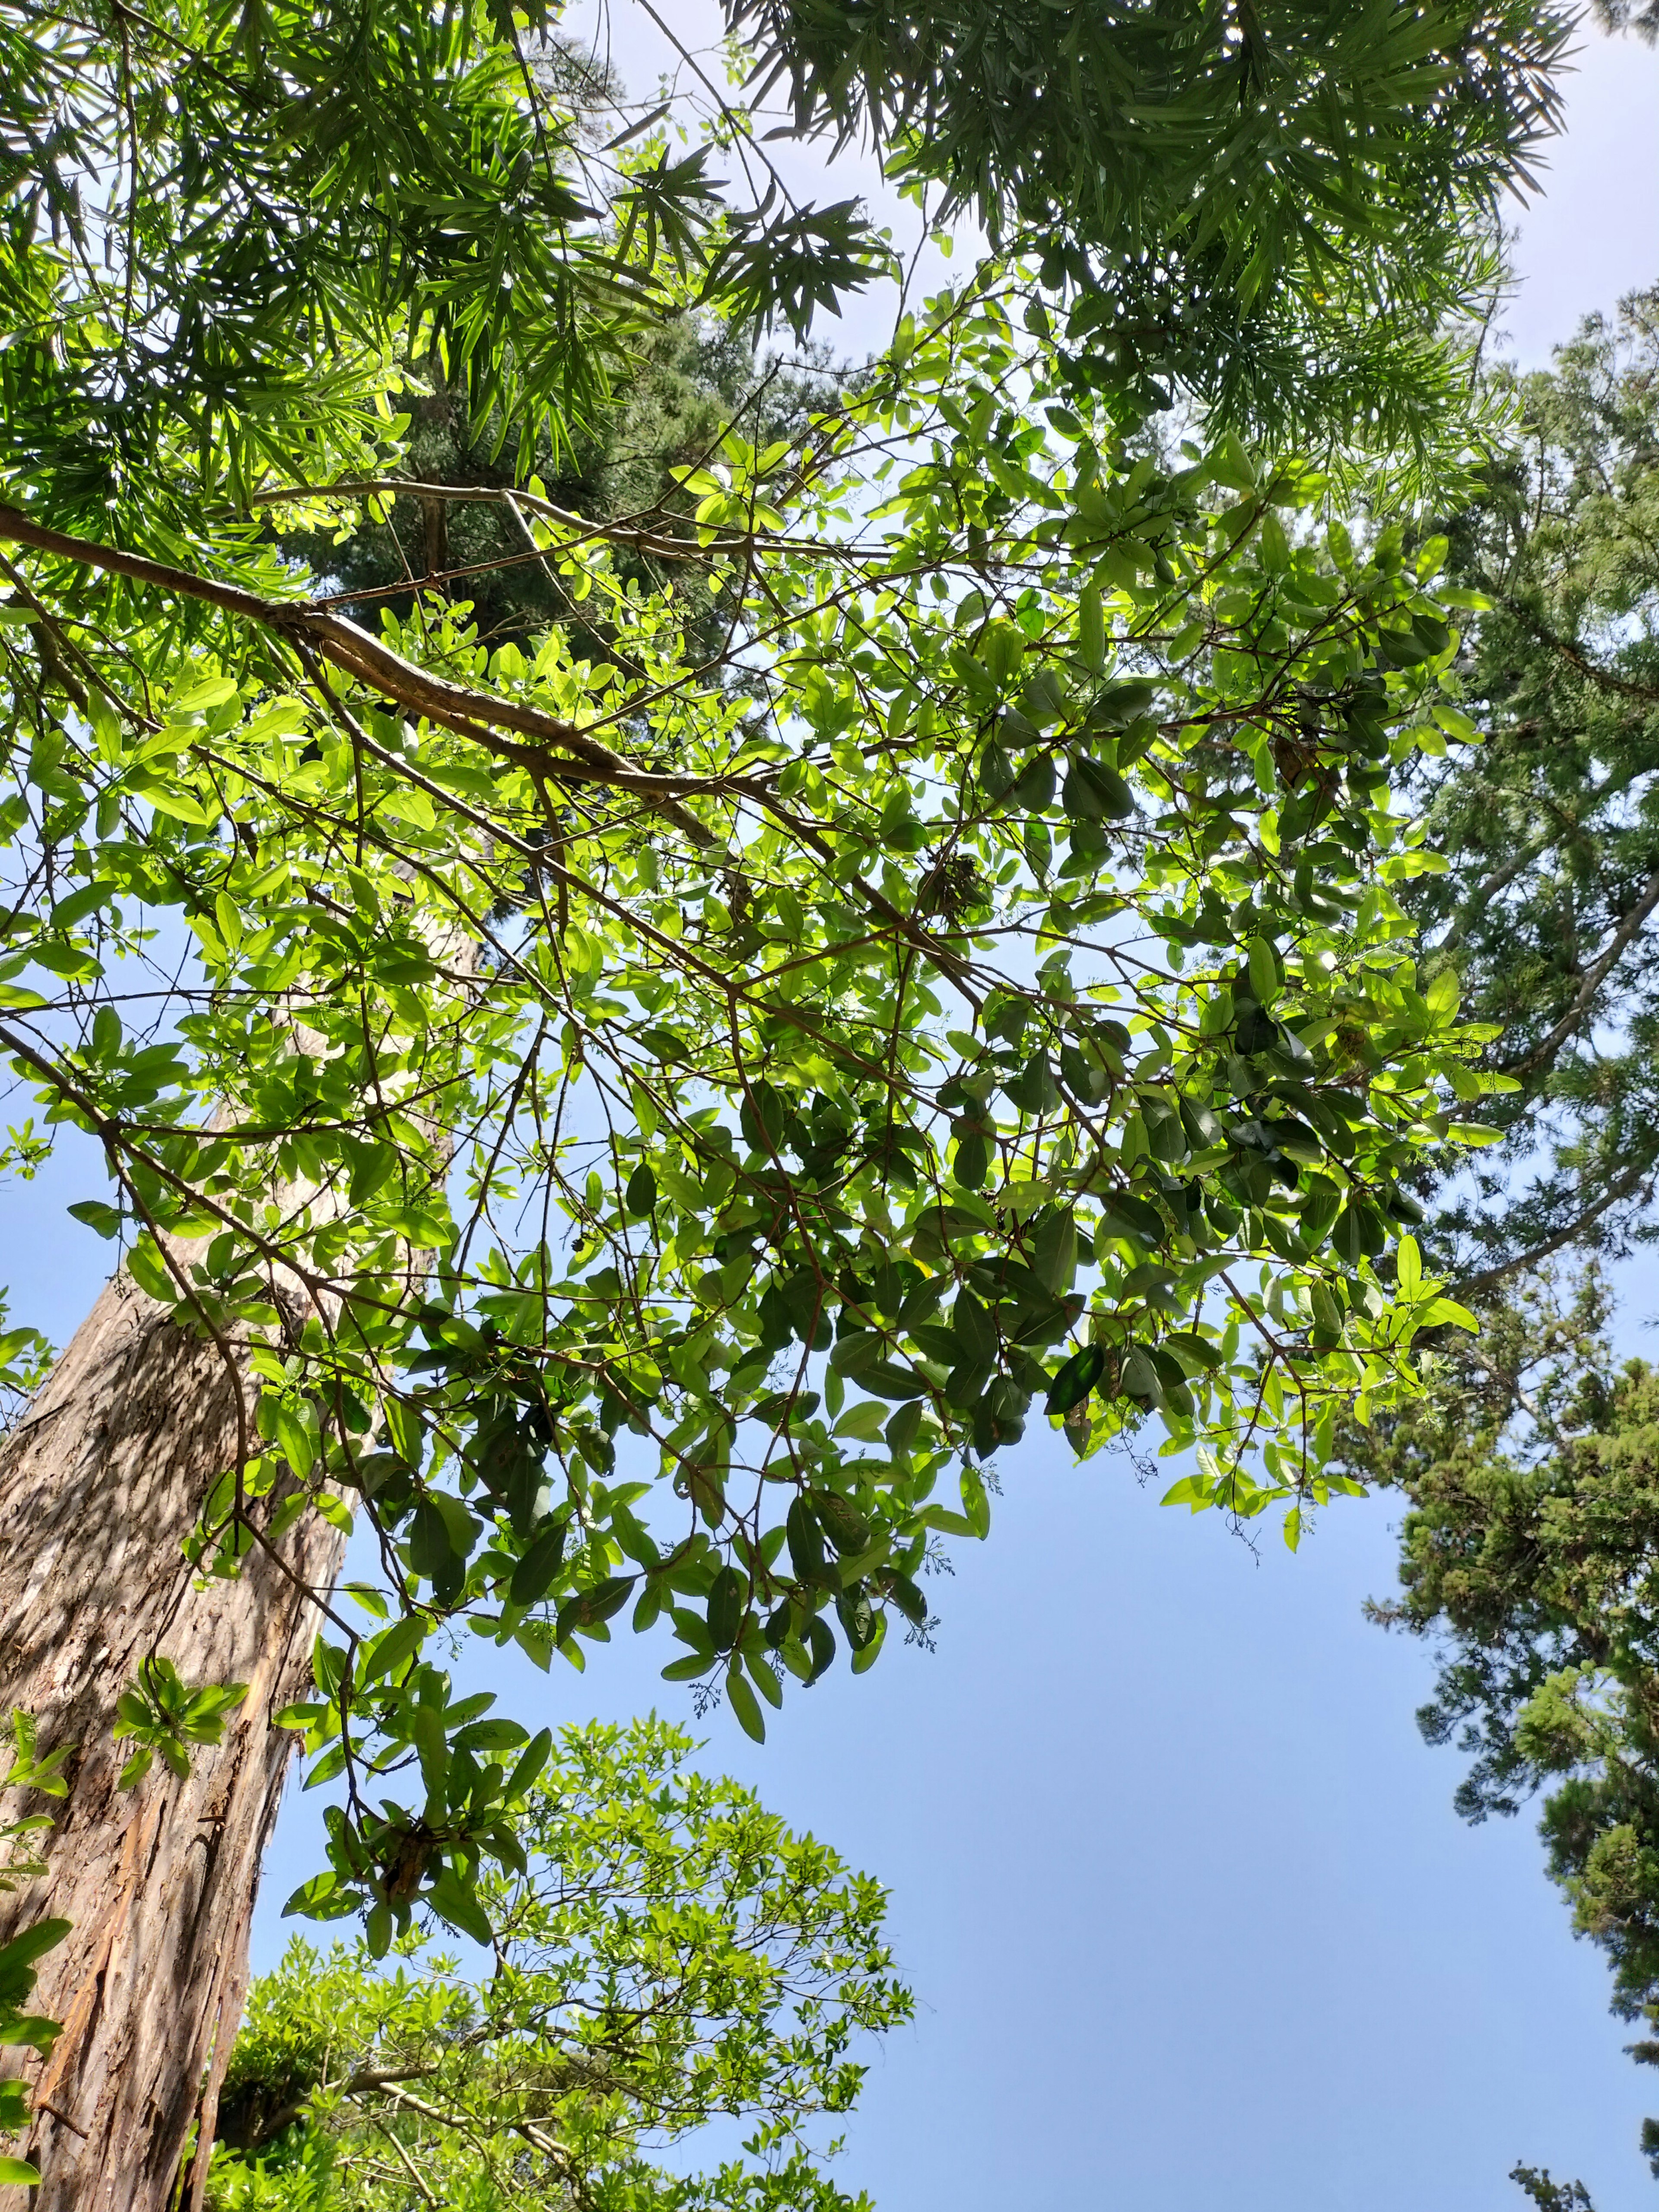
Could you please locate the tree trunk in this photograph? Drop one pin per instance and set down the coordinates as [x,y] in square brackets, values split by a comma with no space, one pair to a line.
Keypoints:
[100,1485]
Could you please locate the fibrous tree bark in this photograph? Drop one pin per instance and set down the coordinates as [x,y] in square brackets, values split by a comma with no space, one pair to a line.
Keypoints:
[100,1486]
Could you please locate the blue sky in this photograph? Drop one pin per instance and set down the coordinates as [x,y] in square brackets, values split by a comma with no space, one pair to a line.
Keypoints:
[1179,1888]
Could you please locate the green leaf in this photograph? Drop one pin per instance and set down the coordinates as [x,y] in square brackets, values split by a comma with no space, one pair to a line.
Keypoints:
[971,1162]
[209,692]
[975,1505]
[496,1735]
[324,1897]
[1053,1259]
[727,1596]
[857,1616]
[400,1642]
[864,1422]
[1229,464]
[1446,1312]
[148,1270]
[443,1531]
[538,1570]
[821,1646]
[30,2031]
[976,1333]
[764,1680]
[531,1765]
[178,805]
[332,1762]
[744,1705]
[298,1716]
[948,1523]
[1114,704]
[1075,1379]
[371,1167]
[1095,792]
[846,1528]
[1191,1489]
[34,1942]
[866,1655]
[590,1608]
[1092,630]
[1264,971]
[806,1540]
[457,1905]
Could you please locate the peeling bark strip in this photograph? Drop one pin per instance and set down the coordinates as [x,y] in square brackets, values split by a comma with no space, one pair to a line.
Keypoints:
[100,1485]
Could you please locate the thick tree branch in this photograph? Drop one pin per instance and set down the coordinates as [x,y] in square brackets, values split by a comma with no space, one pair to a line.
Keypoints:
[456,706]
[1603,679]
[735,546]
[1470,1286]
[479,715]
[1595,977]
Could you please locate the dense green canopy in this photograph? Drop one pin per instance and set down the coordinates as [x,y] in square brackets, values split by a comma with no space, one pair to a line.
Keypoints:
[669,1955]
[999,994]
[657,1106]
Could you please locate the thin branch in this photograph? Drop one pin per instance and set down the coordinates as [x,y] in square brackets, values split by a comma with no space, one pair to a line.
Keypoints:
[1595,977]
[1635,1179]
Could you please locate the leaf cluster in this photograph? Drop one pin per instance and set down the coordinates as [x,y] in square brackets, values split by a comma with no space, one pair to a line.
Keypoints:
[161,1713]
[232,223]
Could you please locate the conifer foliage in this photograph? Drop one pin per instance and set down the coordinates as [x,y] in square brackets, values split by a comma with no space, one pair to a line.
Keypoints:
[1529,1555]
[1276,209]
[1545,912]
[1528,1551]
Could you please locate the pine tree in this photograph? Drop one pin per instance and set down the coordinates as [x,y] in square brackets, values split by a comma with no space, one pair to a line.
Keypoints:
[690,382]
[1545,911]
[1530,1553]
